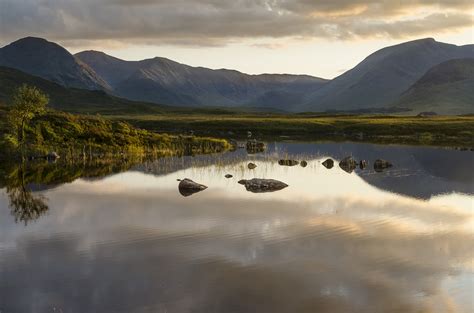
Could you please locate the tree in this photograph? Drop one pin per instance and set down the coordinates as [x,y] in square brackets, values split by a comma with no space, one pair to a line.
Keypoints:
[28,102]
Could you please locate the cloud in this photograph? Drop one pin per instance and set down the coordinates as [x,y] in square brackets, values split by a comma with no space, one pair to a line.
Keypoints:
[213,22]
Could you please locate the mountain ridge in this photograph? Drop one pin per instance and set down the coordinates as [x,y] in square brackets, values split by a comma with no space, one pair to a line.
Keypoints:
[384,75]
[48,60]
[188,85]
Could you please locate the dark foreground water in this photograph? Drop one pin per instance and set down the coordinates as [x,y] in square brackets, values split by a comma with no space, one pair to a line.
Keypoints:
[401,240]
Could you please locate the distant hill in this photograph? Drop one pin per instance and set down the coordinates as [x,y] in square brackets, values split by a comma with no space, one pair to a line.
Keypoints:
[447,88]
[383,76]
[165,81]
[72,99]
[50,61]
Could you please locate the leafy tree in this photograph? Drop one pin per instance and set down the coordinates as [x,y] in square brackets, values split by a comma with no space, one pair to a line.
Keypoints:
[28,102]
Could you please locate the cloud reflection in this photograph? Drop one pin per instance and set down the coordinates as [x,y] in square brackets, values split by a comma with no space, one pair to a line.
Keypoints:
[107,249]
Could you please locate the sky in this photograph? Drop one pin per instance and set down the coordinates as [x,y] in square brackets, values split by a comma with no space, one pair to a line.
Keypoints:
[320,38]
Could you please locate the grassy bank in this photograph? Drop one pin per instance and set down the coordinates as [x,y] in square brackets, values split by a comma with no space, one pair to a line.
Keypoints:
[437,130]
[80,136]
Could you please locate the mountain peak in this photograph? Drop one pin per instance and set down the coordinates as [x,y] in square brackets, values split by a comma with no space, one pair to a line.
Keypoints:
[428,39]
[384,75]
[40,57]
[33,43]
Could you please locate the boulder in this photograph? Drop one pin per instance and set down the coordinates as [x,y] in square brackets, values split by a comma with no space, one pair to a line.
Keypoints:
[304,163]
[380,165]
[259,185]
[288,162]
[188,187]
[228,176]
[328,164]
[251,165]
[348,164]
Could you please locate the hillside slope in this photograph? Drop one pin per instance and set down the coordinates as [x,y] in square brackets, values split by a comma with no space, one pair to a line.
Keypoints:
[447,88]
[71,99]
[50,61]
[383,76]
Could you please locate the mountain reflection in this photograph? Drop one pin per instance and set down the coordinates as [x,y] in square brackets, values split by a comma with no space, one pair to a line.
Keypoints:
[120,237]
[420,172]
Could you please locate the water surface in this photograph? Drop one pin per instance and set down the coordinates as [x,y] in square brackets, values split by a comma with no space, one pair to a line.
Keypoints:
[396,241]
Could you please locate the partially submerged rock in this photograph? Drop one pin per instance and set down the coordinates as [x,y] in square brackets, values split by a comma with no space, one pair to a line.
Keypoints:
[288,162]
[362,164]
[328,164]
[228,176]
[188,187]
[258,185]
[304,163]
[254,146]
[251,165]
[348,164]
[380,165]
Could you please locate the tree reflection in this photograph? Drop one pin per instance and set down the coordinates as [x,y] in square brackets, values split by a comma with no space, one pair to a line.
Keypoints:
[25,206]
[17,178]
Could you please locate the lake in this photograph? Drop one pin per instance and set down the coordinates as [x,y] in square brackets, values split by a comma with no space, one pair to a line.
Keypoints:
[126,240]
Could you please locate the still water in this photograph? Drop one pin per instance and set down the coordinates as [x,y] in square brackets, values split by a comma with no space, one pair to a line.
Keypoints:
[400,240]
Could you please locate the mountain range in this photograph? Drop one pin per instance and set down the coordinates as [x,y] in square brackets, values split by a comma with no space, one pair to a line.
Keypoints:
[394,77]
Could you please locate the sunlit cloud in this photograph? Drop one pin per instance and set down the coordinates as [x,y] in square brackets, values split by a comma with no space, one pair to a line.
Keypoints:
[214,23]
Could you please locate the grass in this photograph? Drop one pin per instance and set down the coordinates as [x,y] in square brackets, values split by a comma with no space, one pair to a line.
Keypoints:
[79,136]
[436,130]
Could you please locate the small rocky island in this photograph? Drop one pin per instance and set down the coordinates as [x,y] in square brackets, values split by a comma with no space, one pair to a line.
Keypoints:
[259,185]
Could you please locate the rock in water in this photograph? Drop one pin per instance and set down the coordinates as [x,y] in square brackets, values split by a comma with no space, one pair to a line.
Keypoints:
[288,162]
[188,187]
[328,164]
[259,185]
[380,165]
[252,166]
[304,163]
[348,164]
[362,164]
[228,176]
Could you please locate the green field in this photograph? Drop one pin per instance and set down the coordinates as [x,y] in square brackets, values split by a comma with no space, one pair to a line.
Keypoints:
[437,130]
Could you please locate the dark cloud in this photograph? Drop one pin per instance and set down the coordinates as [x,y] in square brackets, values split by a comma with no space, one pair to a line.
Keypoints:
[213,22]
